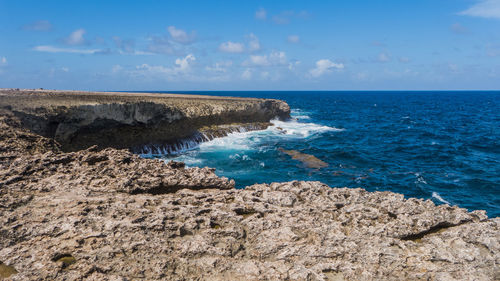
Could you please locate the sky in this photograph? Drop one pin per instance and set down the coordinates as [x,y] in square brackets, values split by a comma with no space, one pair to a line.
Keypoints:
[250,45]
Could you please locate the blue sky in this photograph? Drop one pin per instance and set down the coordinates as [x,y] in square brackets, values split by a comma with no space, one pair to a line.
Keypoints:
[250,45]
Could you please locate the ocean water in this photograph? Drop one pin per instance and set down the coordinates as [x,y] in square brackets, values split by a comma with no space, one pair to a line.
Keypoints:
[443,146]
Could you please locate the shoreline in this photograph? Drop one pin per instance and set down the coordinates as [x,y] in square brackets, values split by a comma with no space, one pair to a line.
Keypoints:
[105,213]
[78,120]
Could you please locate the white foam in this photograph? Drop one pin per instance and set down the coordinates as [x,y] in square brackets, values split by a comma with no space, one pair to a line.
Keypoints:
[439,198]
[299,129]
[299,114]
[238,142]
[420,178]
[233,141]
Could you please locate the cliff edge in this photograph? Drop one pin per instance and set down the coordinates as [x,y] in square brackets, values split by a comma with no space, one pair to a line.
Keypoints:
[78,120]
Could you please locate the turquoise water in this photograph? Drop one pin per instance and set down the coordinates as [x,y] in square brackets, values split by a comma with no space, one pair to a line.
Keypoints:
[443,146]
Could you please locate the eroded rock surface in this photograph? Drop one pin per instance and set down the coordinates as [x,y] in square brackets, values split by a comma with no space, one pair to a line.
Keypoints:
[110,215]
[78,120]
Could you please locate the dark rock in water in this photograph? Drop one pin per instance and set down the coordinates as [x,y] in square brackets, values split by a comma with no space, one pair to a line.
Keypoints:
[281,130]
[111,215]
[310,161]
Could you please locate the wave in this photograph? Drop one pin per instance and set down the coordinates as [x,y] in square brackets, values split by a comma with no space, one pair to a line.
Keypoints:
[300,129]
[299,114]
[238,140]
[439,198]
[243,141]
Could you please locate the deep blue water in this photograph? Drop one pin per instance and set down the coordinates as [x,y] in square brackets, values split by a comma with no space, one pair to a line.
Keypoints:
[443,146]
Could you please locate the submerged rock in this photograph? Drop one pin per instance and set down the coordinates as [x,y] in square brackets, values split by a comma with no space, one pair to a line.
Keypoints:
[310,161]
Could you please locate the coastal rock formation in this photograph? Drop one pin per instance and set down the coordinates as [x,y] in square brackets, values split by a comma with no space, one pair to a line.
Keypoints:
[111,215]
[78,120]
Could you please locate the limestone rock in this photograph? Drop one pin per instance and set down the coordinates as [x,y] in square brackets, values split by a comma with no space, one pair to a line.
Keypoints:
[78,120]
[111,215]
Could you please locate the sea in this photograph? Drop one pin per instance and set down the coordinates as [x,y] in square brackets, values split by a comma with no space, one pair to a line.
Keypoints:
[437,145]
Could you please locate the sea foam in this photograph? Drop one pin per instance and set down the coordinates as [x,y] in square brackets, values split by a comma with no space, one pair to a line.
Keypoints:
[439,198]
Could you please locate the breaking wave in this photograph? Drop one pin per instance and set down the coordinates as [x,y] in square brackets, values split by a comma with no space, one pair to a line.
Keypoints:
[439,198]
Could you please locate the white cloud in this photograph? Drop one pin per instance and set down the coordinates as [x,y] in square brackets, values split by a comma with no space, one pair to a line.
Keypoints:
[325,66]
[3,61]
[258,60]
[261,14]
[253,44]
[65,69]
[383,57]
[285,17]
[116,68]
[180,36]
[182,66]
[484,9]
[292,65]
[453,68]
[41,25]
[125,46]
[404,60]
[275,58]
[458,28]
[293,39]
[492,50]
[160,45]
[231,47]
[278,58]
[51,49]
[76,37]
[247,74]
[219,66]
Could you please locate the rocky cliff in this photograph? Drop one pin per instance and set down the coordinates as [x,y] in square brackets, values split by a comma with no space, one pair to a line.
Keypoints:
[78,120]
[111,215]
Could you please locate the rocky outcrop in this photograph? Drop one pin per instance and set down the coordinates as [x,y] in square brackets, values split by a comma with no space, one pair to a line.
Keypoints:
[111,215]
[78,120]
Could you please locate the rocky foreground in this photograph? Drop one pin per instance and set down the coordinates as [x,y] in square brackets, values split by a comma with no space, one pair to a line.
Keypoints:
[111,215]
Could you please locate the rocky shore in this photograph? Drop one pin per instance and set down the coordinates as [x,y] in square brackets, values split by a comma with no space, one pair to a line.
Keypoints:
[107,214]
[78,120]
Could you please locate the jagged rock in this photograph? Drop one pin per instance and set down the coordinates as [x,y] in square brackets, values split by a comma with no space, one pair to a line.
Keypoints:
[111,215]
[282,231]
[78,120]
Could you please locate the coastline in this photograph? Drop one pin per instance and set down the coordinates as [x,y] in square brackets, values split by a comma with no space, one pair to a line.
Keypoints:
[78,120]
[104,213]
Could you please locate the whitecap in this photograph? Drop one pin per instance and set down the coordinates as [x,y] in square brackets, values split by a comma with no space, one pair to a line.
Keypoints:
[233,141]
[439,198]
[420,179]
[299,114]
[300,129]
